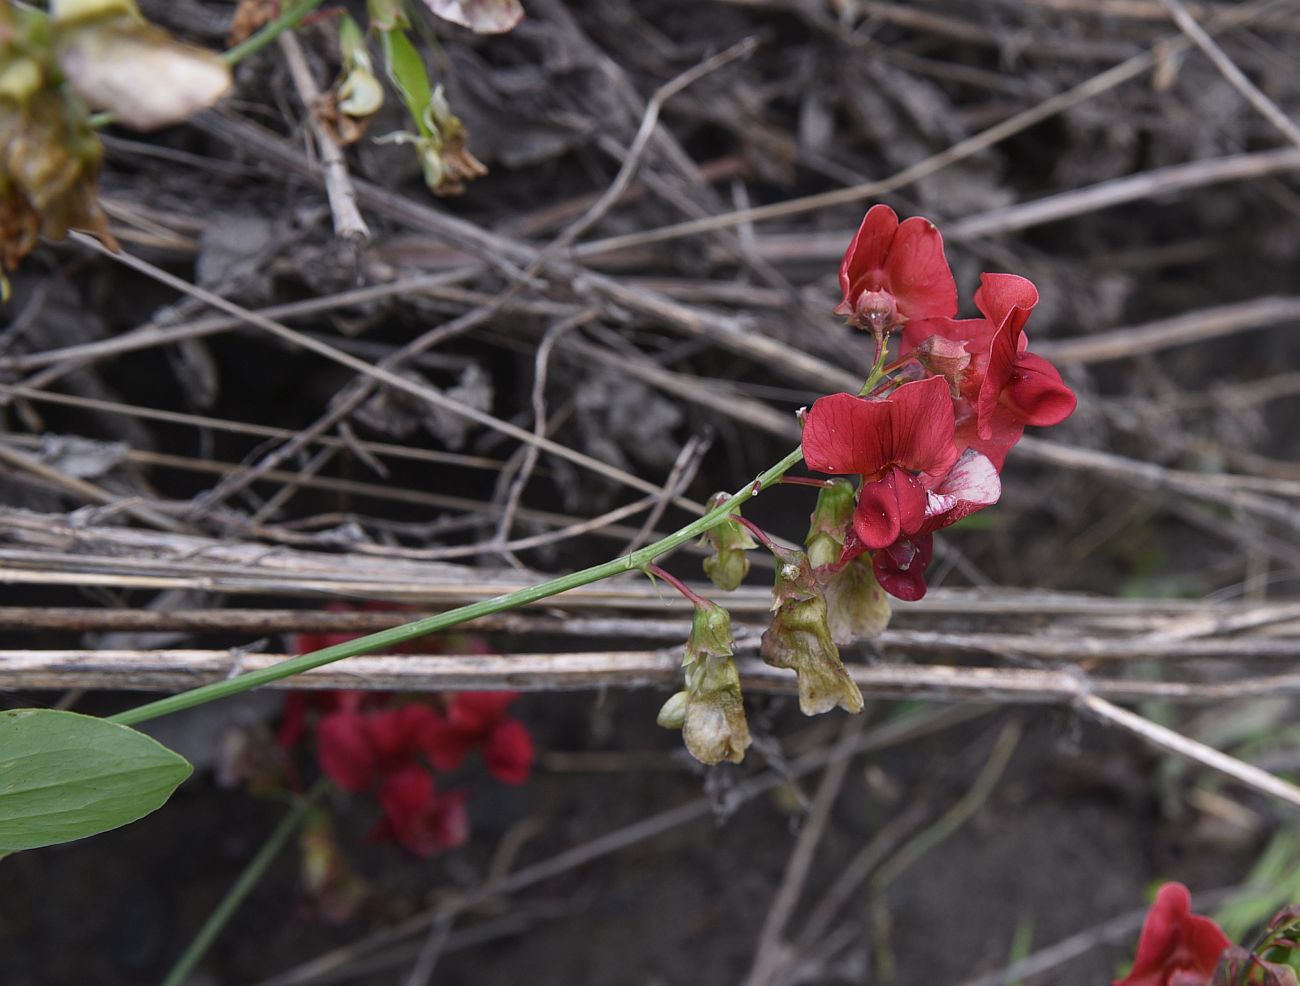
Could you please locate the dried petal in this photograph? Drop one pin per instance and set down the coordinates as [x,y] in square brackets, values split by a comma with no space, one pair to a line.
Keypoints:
[715,728]
[800,639]
[857,607]
[480,16]
[119,62]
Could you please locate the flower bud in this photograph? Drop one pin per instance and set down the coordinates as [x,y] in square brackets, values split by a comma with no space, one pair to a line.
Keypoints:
[800,639]
[116,60]
[359,92]
[857,606]
[673,713]
[831,521]
[943,357]
[728,565]
[710,633]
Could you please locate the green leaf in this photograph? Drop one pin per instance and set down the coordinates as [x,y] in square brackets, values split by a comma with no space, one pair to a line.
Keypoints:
[65,776]
[407,72]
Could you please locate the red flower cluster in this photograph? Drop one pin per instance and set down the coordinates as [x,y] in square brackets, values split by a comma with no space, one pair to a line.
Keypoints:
[930,439]
[1177,947]
[366,742]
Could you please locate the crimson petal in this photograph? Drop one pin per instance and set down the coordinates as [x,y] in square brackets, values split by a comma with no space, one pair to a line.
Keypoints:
[866,254]
[889,507]
[917,273]
[1037,393]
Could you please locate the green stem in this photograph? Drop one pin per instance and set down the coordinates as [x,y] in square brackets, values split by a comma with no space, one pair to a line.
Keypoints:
[877,372]
[288,19]
[385,639]
[248,879]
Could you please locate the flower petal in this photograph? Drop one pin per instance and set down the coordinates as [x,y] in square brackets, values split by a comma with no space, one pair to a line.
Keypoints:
[1037,393]
[344,751]
[889,507]
[1006,300]
[971,485]
[900,567]
[866,255]
[846,434]
[917,273]
[417,817]
[509,752]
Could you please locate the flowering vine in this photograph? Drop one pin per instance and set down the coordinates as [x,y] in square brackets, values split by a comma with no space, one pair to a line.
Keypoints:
[925,440]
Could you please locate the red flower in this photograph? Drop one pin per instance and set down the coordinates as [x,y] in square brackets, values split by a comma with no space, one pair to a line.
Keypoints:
[1177,947]
[1004,388]
[970,485]
[1019,384]
[901,445]
[900,567]
[357,750]
[479,719]
[299,705]
[891,273]
[419,818]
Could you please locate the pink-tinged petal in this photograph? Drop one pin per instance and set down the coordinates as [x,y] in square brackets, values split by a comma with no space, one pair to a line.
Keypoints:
[344,750]
[917,273]
[863,265]
[900,567]
[1037,393]
[1006,300]
[922,425]
[509,752]
[971,485]
[888,508]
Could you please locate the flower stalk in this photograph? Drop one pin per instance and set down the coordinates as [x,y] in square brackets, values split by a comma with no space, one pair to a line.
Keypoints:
[637,560]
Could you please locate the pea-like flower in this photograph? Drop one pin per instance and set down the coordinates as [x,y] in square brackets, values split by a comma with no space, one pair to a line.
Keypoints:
[1177,947]
[894,272]
[901,445]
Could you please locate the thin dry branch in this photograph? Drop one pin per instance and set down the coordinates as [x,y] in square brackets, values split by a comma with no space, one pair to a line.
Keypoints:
[174,669]
[348,222]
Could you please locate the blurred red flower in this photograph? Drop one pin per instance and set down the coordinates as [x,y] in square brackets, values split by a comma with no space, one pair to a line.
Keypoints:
[417,816]
[1177,947]
[478,719]
[357,750]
